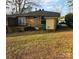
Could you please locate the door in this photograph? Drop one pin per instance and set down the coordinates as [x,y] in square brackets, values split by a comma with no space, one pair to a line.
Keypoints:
[43,22]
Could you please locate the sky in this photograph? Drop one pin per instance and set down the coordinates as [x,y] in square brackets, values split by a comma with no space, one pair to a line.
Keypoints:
[55,6]
[52,5]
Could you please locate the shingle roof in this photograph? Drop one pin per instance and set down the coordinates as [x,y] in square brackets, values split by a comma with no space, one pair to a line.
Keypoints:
[42,13]
[39,13]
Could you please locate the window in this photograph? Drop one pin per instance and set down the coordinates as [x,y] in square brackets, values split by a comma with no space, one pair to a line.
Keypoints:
[22,21]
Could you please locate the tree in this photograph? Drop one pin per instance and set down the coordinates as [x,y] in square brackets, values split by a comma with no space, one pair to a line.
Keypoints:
[20,5]
[70,3]
[69,16]
[69,20]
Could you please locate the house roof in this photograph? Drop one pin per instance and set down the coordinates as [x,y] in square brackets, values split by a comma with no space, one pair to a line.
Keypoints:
[38,13]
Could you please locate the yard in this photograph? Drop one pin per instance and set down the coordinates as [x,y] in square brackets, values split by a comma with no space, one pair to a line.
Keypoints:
[53,45]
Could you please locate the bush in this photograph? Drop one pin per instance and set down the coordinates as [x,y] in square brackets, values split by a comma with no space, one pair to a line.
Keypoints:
[29,28]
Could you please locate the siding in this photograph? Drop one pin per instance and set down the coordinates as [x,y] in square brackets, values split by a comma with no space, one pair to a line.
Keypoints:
[51,23]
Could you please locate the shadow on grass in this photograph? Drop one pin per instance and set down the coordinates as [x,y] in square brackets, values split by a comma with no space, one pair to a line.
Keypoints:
[37,32]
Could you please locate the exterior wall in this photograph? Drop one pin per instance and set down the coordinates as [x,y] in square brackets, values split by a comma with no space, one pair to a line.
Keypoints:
[30,21]
[12,21]
[51,23]
[33,21]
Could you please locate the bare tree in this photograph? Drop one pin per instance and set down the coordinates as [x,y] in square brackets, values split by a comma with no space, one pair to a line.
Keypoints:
[20,5]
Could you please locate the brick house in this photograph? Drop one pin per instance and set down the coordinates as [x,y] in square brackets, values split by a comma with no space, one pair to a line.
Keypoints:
[44,20]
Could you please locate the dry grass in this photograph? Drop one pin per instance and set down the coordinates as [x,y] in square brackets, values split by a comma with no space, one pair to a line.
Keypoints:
[41,46]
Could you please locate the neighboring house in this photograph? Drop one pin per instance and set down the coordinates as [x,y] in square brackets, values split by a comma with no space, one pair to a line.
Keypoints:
[62,19]
[44,20]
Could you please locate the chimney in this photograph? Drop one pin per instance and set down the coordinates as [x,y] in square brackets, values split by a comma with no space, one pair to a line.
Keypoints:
[42,9]
[39,9]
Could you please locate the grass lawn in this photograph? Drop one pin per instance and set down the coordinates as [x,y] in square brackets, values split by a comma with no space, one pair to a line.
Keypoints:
[54,45]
